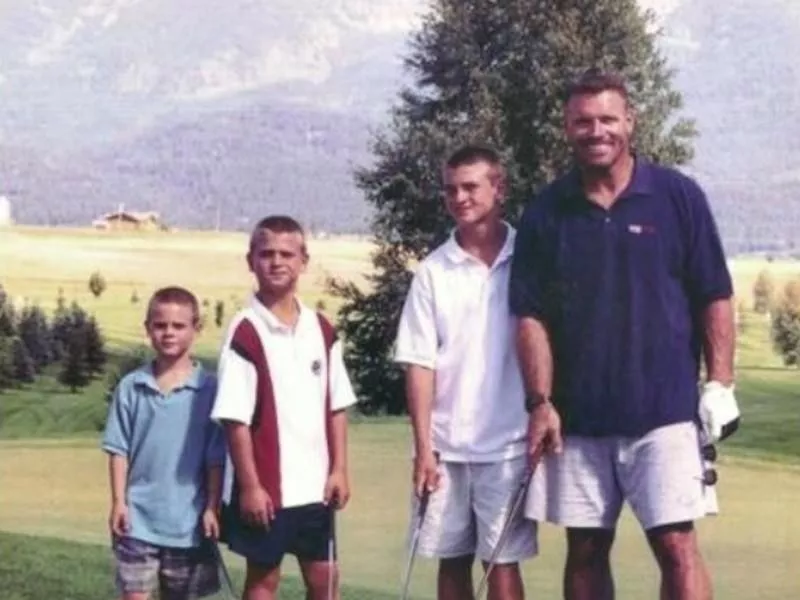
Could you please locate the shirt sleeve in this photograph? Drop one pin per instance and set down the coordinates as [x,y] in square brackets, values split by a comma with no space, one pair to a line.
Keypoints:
[117,434]
[237,380]
[707,275]
[417,339]
[527,279]
[341,389]
[215,450]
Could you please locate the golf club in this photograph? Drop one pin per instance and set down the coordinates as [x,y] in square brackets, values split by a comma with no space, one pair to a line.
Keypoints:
[423,507]
[230,593]
[516,501]
[331,553]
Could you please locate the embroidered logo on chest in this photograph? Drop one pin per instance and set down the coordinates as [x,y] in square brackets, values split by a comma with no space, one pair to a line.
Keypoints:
[316,367]
[638,229]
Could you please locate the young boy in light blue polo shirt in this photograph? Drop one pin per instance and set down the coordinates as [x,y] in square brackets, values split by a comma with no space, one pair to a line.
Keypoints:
[165,462]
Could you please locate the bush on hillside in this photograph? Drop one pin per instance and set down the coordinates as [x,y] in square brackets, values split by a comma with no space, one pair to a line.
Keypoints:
[786,324]
[97,284]
[763,293]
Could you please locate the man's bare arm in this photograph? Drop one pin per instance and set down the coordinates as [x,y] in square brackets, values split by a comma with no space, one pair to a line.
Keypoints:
[214,487]
[719,341]
[535,358]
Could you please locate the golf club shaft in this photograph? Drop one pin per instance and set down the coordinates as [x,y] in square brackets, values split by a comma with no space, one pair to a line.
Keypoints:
[423,507]
[516,502]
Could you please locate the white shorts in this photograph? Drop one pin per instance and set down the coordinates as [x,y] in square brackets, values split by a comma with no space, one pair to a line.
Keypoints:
[659,474]
[466,514]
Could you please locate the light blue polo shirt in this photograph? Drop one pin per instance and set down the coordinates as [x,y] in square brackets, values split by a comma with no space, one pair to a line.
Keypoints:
[169,441]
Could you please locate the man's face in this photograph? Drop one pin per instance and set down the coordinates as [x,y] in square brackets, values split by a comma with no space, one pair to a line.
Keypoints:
[599,128]
[277,260]
[171,328]
[472,193]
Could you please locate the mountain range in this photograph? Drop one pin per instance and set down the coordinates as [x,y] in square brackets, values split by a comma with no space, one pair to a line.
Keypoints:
[215,113]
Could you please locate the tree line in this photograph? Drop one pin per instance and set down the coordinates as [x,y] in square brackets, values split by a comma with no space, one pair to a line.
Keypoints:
[70,345]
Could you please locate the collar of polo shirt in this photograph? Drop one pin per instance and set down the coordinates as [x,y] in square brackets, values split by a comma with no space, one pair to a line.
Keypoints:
[641,183]
[273,322]
[146,377]
[456,254]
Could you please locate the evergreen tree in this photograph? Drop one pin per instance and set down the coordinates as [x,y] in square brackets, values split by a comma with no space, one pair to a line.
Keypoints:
[6,363]
[35,334]
[96,356]
[494,73]
[75,372]
[8,319]
[24,367]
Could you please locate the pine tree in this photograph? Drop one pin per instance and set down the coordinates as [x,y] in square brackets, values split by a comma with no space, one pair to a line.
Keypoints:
[24,367]
[8,317]
[75,372]
[493,73]
[786,324]
[96,356]
[35,334]
[6,363]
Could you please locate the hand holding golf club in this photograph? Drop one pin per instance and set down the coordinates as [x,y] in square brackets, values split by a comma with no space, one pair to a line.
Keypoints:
[544,432]
[118,521]
[256,506]
[210,524]
[719,411]
[337,490]
[426,473]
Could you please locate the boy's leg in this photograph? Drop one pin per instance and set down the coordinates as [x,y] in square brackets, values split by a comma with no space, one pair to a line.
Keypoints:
[448,532]
[578,490]
[494,485]
[663,481]
[137,568]
[263,549]
[188,573]
[315,554]
[261,581]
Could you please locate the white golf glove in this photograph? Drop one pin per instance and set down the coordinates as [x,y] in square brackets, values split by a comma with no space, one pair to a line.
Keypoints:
[719,412]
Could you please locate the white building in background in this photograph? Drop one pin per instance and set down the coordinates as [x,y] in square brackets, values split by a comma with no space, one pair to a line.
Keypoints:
[5,212]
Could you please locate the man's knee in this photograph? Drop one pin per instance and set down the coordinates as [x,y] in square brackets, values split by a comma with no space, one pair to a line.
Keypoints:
[589,547]
[456,566]
[675,545]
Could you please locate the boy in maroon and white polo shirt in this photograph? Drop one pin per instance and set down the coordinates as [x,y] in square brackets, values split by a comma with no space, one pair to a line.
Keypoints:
[282,393]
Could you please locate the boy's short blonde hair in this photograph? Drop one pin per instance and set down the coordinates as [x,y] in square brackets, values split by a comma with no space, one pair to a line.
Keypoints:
[174,295]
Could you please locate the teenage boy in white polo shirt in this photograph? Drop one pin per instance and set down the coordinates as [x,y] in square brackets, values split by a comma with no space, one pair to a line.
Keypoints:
[282,393]
[464,388]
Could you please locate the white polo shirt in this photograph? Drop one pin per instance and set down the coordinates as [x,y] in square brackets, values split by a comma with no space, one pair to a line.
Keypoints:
[456,321]
[297,368]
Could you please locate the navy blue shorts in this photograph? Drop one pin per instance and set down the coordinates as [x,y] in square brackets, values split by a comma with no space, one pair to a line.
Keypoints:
[303,531]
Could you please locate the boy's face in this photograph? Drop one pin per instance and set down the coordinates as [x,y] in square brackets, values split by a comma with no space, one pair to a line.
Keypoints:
[277,260]
[171,328]
[472,193]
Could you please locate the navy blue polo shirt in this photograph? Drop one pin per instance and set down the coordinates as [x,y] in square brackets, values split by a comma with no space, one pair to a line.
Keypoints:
[621,293]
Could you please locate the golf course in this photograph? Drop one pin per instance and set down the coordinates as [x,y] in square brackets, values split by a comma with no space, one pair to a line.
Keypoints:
[54,496]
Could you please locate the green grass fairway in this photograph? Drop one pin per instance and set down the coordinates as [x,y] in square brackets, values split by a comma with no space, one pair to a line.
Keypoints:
[753,548]
[75,571]
[35,262]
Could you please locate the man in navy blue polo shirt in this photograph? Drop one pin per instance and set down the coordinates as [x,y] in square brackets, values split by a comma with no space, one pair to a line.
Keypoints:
[620,284]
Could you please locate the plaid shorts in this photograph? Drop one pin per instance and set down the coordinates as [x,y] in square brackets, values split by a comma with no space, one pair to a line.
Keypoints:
[177,573]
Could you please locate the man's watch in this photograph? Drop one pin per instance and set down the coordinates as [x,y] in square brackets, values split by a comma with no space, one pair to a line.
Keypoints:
[534,400]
